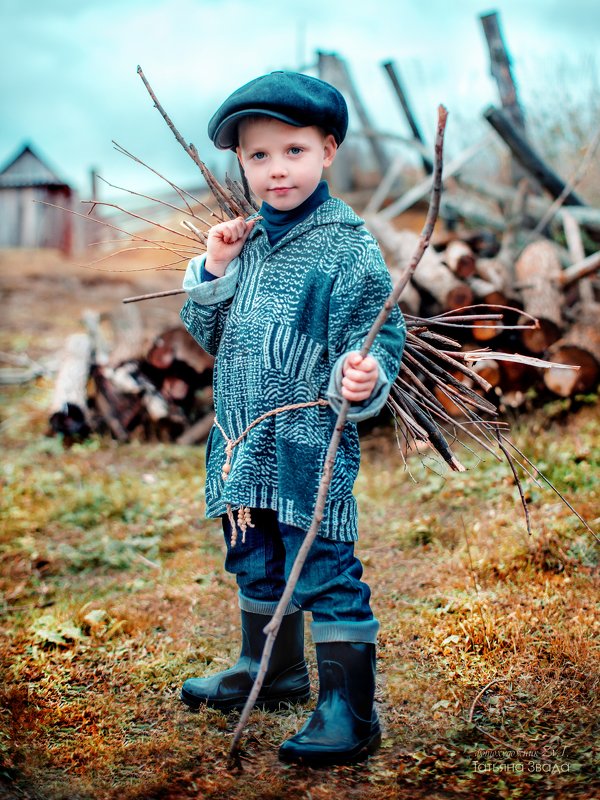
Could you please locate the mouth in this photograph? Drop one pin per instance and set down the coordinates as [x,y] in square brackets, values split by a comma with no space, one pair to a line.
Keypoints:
[281,190]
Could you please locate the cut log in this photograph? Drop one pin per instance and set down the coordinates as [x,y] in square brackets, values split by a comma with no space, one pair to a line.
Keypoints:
[115,411]
[177,345]
[68,408]
[410,299]
[586,216]
[580,347]
[577,255]
[433,275]
[486,292]
[459,258]
[494,271]
[459,206]
[538,271]
[198,431]
[489,369]
[580,270]
[128,331]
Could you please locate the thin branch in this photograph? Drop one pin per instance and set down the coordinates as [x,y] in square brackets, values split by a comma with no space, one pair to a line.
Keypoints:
[227,203]
[183,193]
[510,461]
[549,483]
[140,217]
[130,235]
[152,295]
[164,203]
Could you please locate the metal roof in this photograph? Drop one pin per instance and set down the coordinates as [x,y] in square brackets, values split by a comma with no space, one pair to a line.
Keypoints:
[28,169]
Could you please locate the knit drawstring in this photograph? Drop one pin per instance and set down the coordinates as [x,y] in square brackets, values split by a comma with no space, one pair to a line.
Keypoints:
[244,518]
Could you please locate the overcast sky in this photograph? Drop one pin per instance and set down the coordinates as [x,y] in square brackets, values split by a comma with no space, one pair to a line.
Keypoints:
[68,82]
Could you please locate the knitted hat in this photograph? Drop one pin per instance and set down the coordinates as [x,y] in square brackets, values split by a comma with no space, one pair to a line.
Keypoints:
[288,96]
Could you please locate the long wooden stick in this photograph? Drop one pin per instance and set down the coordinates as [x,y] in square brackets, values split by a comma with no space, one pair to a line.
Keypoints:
[272,628]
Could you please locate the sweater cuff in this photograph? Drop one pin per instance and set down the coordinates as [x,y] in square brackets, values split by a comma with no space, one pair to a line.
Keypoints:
[209,292]
[367,408]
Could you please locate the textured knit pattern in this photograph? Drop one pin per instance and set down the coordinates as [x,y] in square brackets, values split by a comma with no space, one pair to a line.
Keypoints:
[279,323]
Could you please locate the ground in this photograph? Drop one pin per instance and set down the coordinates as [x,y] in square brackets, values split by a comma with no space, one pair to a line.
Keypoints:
[113,592]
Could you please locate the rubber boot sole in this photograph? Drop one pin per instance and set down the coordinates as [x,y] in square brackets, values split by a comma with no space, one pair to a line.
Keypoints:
[331,758]
[237,703]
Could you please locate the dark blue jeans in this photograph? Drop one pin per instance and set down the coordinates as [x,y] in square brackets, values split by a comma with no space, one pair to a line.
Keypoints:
[330,584]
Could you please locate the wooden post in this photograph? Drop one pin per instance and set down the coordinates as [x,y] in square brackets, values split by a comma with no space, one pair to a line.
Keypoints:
[337,73]
[500,65]
[392,73]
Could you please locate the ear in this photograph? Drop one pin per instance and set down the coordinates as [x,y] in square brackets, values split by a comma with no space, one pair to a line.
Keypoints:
[238,152]
[329,150]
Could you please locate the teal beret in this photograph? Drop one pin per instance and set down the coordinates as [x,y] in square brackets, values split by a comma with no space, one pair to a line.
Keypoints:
[288,96]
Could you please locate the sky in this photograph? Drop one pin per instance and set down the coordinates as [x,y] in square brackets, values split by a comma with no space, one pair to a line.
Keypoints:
[69,86]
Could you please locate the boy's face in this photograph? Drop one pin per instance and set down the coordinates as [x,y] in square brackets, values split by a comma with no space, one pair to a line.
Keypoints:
[283,163]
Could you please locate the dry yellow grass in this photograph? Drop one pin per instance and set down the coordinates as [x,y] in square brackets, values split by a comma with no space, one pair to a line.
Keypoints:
[113,592]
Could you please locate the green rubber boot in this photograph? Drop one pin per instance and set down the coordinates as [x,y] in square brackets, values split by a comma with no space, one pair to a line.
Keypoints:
[286,680]
[344,727]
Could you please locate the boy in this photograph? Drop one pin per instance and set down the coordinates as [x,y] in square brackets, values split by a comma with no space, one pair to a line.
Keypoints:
[284,304]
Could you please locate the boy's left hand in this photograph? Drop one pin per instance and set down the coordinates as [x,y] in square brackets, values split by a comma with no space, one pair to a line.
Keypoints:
[359,377]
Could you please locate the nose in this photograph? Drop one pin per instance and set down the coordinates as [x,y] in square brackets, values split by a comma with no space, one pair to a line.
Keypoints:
[278,168]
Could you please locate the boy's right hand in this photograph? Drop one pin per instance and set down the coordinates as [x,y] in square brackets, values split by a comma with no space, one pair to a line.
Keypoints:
[225,242]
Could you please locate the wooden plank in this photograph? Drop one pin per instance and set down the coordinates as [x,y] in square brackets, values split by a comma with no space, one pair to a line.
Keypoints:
[526,155]
[394,77]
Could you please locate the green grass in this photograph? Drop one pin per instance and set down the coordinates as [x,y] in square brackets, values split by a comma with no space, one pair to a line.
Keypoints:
[113,592]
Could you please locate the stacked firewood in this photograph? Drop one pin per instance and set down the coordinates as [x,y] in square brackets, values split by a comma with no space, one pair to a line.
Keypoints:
[146,388]
[545,312]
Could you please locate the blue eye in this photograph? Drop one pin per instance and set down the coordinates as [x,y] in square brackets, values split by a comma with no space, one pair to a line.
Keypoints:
[259,156]
[295,150]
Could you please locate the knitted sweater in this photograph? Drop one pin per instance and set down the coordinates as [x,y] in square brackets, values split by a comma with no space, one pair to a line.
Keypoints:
[280,322]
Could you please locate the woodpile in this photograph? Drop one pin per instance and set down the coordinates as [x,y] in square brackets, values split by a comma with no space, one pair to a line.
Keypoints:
[498,310]
[156,387]
[503,248]
[539,314]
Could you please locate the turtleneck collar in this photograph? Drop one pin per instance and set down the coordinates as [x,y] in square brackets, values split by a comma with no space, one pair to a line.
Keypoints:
[278,223]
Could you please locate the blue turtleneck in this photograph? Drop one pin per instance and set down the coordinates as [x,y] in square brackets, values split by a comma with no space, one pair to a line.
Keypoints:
[278,223]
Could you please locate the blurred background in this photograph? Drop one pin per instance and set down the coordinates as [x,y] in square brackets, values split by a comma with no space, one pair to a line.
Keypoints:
[69,85]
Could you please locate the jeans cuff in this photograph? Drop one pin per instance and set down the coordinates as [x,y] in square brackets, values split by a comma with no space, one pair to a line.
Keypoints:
[266,607]
[340,631]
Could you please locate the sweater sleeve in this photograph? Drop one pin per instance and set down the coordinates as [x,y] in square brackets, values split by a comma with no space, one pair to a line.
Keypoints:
[205,312]
[360,290]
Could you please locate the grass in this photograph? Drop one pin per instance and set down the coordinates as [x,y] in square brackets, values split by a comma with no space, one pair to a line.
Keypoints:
[113,592]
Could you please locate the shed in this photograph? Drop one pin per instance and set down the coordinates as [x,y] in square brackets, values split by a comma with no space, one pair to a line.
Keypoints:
[26,178]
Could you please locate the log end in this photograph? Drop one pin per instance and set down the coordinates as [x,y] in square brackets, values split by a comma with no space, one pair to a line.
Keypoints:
[567,382]
[537,340]
[458,297]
